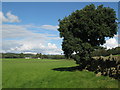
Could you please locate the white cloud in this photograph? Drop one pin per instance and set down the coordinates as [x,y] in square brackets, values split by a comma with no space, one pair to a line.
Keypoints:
[12,18]
[22,31]
[26,46]
[34,47]
[119,45]
[49,27]
[2,18]
[111,43]
[18,38]
[14,31]
[9,17]
[52,46]
[116,35]
[29,53]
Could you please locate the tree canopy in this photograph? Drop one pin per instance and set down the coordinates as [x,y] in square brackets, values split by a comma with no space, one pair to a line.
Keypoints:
[86,29]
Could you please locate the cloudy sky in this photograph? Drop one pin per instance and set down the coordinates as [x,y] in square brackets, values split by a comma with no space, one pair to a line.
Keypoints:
[32,27]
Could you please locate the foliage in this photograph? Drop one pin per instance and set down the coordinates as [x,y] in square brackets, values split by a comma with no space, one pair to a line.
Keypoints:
[21,55]
[38,55]
[16,55]
[105,52]
[107,67]
[85,30]
[98,52]
[54,56]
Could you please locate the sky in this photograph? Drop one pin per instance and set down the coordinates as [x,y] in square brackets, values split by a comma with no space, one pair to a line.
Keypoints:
[60,0]
[31,27]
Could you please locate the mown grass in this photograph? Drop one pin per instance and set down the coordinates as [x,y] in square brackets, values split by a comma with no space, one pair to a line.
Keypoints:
[34,73]
[117,55]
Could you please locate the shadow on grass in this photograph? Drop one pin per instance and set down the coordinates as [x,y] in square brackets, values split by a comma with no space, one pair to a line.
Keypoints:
[108,67]
[67,68]
[78,68]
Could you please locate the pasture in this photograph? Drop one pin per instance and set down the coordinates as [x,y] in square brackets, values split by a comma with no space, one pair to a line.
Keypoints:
[46,73]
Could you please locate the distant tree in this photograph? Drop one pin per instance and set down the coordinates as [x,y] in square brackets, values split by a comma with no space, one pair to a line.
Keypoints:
[44,56]
[21,55]
[38,55]
[85,30]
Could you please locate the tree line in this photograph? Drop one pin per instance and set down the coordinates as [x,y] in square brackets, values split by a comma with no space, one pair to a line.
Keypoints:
[97,52]
[38,55]
[105,52]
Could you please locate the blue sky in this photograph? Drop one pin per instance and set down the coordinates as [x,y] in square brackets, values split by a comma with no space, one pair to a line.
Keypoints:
[38,22]
[47,13]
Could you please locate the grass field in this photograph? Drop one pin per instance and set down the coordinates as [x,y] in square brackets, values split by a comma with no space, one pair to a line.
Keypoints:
[34,73]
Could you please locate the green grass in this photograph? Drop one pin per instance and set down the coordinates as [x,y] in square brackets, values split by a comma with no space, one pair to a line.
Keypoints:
[34,73]
[117,55]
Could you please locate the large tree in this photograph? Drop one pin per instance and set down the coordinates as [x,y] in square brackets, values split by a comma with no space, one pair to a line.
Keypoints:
[85,30]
